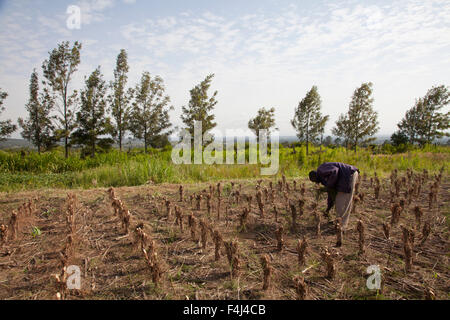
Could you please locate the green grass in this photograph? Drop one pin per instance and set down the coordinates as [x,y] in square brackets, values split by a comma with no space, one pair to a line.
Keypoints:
[51,170]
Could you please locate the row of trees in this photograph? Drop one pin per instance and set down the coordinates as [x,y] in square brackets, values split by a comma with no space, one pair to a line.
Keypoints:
[96,116]
[357,126]
[102,112]
[422,124]
[425,122]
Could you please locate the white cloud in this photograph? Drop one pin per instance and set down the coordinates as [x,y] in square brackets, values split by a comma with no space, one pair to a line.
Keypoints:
[263,59]
[92,10]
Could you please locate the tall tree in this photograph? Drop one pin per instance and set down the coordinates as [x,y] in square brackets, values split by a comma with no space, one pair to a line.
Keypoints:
[361,121]
[264,120]
[38,128]
[409,126]
[424,122]
[6,126]
[120,98]
[58,71]
[308,120]
[92,123]
[200,107]
[150,112]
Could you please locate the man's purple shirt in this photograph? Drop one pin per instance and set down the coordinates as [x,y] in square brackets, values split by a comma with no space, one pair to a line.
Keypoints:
[336,176]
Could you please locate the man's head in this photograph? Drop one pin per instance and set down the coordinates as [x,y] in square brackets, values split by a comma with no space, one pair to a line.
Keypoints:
[313,176]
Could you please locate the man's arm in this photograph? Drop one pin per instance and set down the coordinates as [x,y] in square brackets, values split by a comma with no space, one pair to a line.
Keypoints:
[330,202]
[331,199]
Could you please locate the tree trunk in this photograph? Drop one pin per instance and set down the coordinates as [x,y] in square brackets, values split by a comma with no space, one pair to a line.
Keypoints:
[93,150]
[145,143]
[66,127]
[307,145]
[120,140]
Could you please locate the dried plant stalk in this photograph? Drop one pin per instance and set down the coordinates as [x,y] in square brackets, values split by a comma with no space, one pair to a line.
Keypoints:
[303,189]
[429,293]
[275,211]
[361,240]
[339,233]
[300,287]
[192,221]
[293,216]
[243,219]
[219,190]
[231,249]
[199,199]
[181,193]
[208,203]
[13,226]
[266,195]
[386,230]
[301,205]
[191,200]
[425,232]
[237,197]
[249,202]
[267,271]
[302,250]
[204,233]
[329,261]
[396,211]
[141,239]
[317,219]
[418,213]
[279,236]
[179,217]
[260,203]
[168,209]
[3,234]
[218,241]
[377,188]
[407,248]
[219,201]
[151,258]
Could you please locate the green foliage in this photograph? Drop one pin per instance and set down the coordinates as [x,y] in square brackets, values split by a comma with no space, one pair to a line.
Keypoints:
[115,168]
[92,124]
[265,120]
[150,112]
[58,71]
[200,107]
[6,127]
[38,128]
[361,121]
[120,97]
[35,232]
[308,120]
[423,123]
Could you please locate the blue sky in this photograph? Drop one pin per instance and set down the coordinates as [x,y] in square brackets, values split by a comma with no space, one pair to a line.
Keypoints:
[264,53]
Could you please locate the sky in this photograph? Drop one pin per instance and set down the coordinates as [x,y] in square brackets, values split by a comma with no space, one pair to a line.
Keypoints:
[264,53]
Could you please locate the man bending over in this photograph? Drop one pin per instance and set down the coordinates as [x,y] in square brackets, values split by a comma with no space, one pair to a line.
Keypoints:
[339,180]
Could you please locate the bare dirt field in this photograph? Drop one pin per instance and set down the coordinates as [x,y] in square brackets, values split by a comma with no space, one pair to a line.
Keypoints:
[245,249]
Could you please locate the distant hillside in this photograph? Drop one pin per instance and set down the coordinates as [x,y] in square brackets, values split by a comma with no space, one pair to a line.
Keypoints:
[134,143]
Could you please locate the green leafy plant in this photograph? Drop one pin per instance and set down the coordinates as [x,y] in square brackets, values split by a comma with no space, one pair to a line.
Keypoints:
[36,232]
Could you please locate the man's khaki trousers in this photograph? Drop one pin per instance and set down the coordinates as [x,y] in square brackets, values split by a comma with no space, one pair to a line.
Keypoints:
[344,202]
